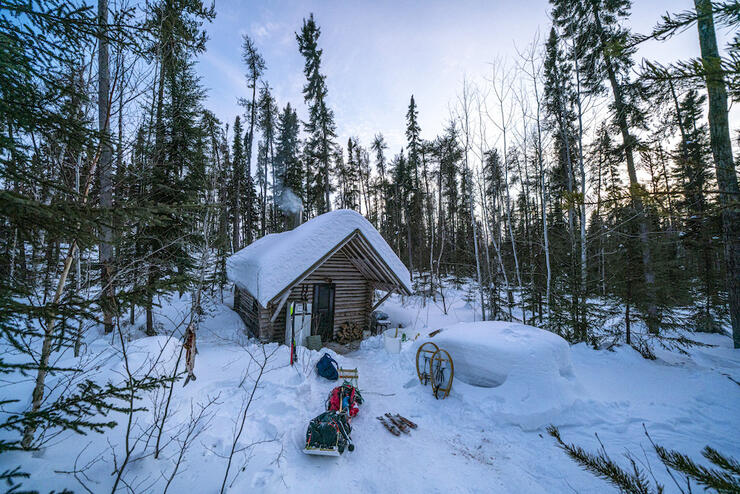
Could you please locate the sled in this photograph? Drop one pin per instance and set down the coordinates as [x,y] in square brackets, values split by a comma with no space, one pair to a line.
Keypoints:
[321,451]
[442,370]
[423,360]
[350,375]
[333,450]
[329,433]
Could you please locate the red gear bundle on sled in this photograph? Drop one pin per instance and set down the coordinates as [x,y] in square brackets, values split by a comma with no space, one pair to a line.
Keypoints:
[345,398]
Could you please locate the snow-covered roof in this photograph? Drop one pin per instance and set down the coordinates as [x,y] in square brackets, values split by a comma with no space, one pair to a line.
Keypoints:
[269,265]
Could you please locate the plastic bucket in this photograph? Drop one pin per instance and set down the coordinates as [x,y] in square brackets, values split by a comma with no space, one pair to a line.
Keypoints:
[392,340]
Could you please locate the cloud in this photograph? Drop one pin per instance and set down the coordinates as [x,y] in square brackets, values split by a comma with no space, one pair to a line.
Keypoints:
[225,71]
[264,31]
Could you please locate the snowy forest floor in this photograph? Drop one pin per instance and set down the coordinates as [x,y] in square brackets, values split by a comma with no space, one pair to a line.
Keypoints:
[474,441]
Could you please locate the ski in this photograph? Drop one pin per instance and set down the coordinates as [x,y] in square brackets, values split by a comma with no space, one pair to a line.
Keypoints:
[398,423]
[406,421]
[391,428]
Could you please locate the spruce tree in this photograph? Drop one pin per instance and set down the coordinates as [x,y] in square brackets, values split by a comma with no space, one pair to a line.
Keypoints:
[493,179]
[177,39]
[255,67]
[348,175]
[693,174]
[320,126]
[378,147]
[266,122]
[362,158]
[342,172]
[238,205]
[449,156]
[413,137]
[214,136]
[415,208]
[49,209]
[288,168]
[105,168]
[721,78]
[719,131]
[559,100]
[606,55]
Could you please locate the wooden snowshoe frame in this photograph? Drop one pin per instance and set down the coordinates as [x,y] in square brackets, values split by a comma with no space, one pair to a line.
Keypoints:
[442,371]
[423,360]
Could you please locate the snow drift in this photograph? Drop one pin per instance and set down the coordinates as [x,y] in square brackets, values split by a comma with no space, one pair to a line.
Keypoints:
[486,353]
[528,371]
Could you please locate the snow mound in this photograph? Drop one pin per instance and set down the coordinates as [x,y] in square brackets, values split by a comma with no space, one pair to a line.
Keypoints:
[528,371]
[486,353]
[268,265]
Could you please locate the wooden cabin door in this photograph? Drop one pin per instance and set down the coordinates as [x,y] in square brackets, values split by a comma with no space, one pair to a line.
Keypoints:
[322,322]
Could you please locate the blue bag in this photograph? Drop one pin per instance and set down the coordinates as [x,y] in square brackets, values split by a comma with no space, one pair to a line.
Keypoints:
[327,367]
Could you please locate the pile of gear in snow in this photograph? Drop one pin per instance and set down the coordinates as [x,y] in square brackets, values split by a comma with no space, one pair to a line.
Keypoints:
[329,433]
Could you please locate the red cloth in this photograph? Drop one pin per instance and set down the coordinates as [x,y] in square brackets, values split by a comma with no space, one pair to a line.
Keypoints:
[336,397]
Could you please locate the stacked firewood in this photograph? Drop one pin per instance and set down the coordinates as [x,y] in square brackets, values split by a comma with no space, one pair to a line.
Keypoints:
[347,332]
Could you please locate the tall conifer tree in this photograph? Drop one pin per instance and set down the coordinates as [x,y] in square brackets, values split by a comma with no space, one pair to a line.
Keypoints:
[288,167]
[606,55]
[255,67]
[320,126]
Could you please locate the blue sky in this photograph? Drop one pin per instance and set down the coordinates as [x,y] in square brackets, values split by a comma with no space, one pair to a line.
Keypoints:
[377,53]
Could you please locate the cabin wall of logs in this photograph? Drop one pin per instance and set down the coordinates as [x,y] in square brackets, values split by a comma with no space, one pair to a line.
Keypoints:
[248,309]
[355,269]
[353,297]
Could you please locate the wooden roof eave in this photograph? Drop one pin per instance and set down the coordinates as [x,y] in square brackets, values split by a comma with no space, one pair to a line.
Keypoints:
[370,250]
[376,270]
[354,259]
[365,244]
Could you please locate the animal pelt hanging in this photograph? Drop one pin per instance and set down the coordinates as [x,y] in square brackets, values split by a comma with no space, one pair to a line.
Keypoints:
[190,350]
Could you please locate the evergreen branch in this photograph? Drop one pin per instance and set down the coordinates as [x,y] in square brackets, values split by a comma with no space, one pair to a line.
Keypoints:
[673,24]
[601,465]
[724,482]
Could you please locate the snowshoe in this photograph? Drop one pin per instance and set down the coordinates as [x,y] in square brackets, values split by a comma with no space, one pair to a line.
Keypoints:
[390,427]
[406,421]
[400,425]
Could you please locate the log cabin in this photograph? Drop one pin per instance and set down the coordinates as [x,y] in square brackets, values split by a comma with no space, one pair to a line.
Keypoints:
[332,266]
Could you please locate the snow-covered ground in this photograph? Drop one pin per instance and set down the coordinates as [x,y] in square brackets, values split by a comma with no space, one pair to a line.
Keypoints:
[480,439]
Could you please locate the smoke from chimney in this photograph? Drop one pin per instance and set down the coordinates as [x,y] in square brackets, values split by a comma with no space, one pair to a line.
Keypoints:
[291,206]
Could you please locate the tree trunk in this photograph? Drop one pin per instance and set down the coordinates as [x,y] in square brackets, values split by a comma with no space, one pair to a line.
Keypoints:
[248,227]
[409,244]
[524,179]
[105,167]
[543,192]
[78,270]
[430,221]
[582,168]
[152,269]
[719,132]
[477,257]
[571,213]
[508,210]
[327,183]
[653,321]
